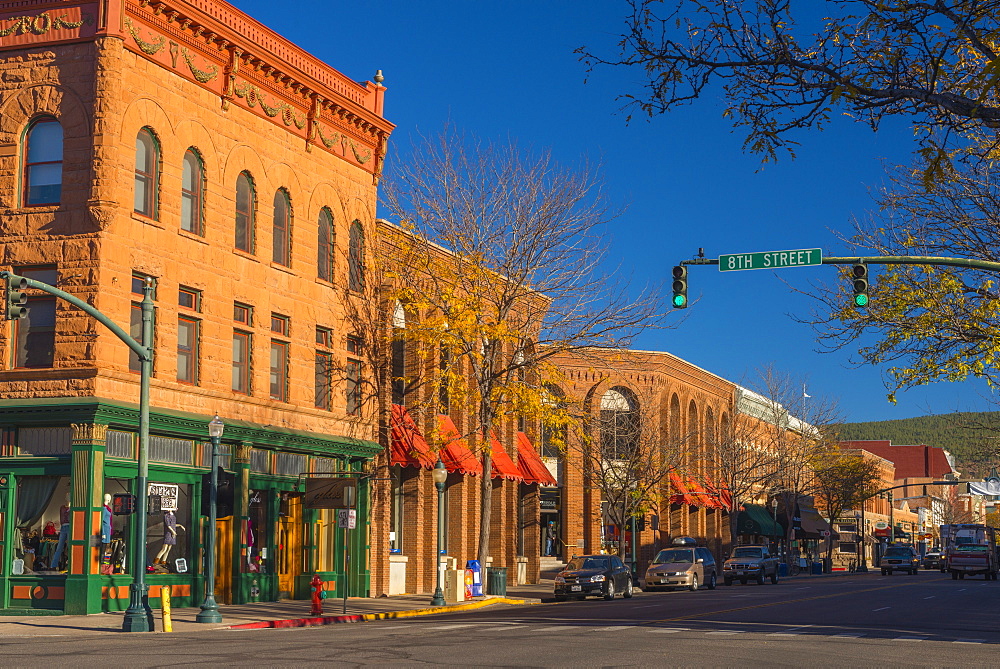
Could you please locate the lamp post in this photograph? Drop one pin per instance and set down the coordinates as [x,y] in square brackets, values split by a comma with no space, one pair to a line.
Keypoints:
[209,609]
[863,566]
[440,476]
[774,513]
[138,616]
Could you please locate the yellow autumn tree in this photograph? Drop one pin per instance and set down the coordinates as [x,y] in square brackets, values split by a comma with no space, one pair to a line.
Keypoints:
[502,261]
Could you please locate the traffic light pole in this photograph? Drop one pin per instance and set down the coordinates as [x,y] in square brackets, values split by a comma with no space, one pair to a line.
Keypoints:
[138,615]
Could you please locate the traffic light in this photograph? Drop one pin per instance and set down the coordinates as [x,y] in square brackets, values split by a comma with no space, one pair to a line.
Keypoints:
[680,287]
[16,299]
[859,272]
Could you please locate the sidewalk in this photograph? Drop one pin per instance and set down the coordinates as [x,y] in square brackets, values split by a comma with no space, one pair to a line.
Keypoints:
[263,615]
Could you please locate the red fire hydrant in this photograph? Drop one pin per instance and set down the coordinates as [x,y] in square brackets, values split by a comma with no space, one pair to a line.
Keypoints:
[318,595]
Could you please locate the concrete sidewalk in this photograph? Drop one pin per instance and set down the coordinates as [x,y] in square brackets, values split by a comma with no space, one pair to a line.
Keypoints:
[269,615]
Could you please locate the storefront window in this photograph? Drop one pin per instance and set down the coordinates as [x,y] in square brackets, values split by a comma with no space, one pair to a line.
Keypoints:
[168,532]
[326,540]
[114,531]
[41,519]
[256,533]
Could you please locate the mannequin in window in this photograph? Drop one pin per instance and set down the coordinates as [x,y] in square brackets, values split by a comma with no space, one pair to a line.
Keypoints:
[170,526]
[106,520]
[63,534]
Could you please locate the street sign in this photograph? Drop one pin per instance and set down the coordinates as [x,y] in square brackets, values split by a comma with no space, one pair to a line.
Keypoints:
[330,493]
[347,519]
[770,259]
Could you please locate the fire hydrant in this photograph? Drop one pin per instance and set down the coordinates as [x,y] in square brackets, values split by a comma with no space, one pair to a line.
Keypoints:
[318,595]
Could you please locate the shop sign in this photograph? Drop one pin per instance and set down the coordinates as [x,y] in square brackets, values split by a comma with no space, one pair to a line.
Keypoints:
[330,493]
[168,495]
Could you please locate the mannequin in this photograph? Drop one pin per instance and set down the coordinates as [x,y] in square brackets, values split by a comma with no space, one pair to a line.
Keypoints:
[170,526]
[106,520]
[63,534]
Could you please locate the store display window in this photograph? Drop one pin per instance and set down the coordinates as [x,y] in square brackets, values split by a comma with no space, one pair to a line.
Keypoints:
[41,520]
[168,528]
[256,534]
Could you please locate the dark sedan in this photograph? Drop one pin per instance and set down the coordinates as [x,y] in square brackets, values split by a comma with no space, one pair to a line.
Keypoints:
[934,560]
[599,575]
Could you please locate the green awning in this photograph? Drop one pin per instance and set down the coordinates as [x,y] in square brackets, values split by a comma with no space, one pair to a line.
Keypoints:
[755,519]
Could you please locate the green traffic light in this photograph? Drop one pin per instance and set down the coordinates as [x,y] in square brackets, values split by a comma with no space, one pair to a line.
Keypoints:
[680,301]
[861,300]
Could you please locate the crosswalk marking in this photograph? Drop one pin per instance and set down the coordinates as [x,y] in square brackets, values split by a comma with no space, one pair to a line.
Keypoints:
[612,628]
[910,638]
[726,632]
[670,630]
[554,628]
[970,641]
[849,635]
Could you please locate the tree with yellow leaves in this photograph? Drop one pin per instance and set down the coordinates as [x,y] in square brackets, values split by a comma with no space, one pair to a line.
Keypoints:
[503,267]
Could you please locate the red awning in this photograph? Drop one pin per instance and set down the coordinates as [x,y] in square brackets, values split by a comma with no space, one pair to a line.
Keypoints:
[722,494]
[533,470]
[455,453]
[682,496]
[503,466]
[702,496]
[408,447]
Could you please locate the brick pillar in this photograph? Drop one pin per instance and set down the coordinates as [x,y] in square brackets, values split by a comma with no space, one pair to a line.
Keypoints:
[83,578]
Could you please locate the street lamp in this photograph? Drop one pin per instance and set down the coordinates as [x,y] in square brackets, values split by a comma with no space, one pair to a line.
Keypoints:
[209,609]
[863,566]
[774,512]
[440,476]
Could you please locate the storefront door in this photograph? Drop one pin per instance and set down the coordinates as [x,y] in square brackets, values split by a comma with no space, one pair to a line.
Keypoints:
[224,560]
[290,542]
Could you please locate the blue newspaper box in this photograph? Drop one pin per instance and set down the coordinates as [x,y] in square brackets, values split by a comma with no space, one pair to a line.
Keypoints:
[477,577]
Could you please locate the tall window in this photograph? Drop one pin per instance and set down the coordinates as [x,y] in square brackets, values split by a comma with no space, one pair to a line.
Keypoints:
[353,376]
[398,363]
[281,249]
[43,158]
[324,368]
[324,258]
[187,336]
[241,362]
[356,258]
[192,188]
[246,204]
[619,424]
[35,335]
[135,317]
[279,359]
[279,370]
[396,515]
[147,163]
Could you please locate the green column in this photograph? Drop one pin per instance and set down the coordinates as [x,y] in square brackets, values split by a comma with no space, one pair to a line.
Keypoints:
[84,582]
[242,581]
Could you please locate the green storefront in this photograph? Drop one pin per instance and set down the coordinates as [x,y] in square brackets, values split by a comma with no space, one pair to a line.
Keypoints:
[68,467]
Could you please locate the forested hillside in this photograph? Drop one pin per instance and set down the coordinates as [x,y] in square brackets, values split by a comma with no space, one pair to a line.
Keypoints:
[973,438]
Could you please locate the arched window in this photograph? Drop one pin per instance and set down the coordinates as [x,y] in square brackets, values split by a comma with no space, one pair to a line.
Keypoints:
[324,254]
[398,371]
[246,206]
[281,249]
[192,189]
[356,260]
[619,424]
[147,164]
[43,157]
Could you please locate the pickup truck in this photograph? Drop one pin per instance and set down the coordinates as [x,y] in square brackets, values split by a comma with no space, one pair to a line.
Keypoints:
[968,559]
[748,562]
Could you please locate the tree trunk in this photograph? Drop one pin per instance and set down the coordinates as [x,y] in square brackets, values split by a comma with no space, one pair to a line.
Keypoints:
[485,507]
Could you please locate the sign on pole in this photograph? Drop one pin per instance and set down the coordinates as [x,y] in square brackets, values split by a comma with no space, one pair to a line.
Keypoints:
[770,259]
[330,493]
[347,518]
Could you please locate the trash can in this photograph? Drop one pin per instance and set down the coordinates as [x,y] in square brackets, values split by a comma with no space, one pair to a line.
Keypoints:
[477,579]
[783,569]
[817,567]
[496,583]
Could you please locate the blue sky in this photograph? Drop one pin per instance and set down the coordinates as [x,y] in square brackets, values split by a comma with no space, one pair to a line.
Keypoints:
[507,69]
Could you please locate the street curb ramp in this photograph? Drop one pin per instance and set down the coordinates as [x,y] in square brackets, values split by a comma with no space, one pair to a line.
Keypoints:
[369,617]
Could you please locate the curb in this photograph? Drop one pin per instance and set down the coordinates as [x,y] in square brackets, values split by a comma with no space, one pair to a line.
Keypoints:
[369,617]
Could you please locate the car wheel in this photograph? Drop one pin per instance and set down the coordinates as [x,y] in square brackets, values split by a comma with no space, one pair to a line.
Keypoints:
[694,584]
[954,575]
[609,591]
[727,581]
[774,577]
[711,582]
[913,573]
[760,577]
[627,593]
[560,598]
[961,576]
[743,581]
[885,572]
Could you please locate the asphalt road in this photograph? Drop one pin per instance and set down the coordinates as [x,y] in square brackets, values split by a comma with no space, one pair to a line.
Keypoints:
[859,620]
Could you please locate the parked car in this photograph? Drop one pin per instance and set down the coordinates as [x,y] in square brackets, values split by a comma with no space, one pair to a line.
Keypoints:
[899,558]
[602,575]
[750,562]
[681,567]
[934,560]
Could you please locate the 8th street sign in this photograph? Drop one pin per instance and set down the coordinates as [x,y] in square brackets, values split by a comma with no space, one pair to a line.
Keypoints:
[770,259]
